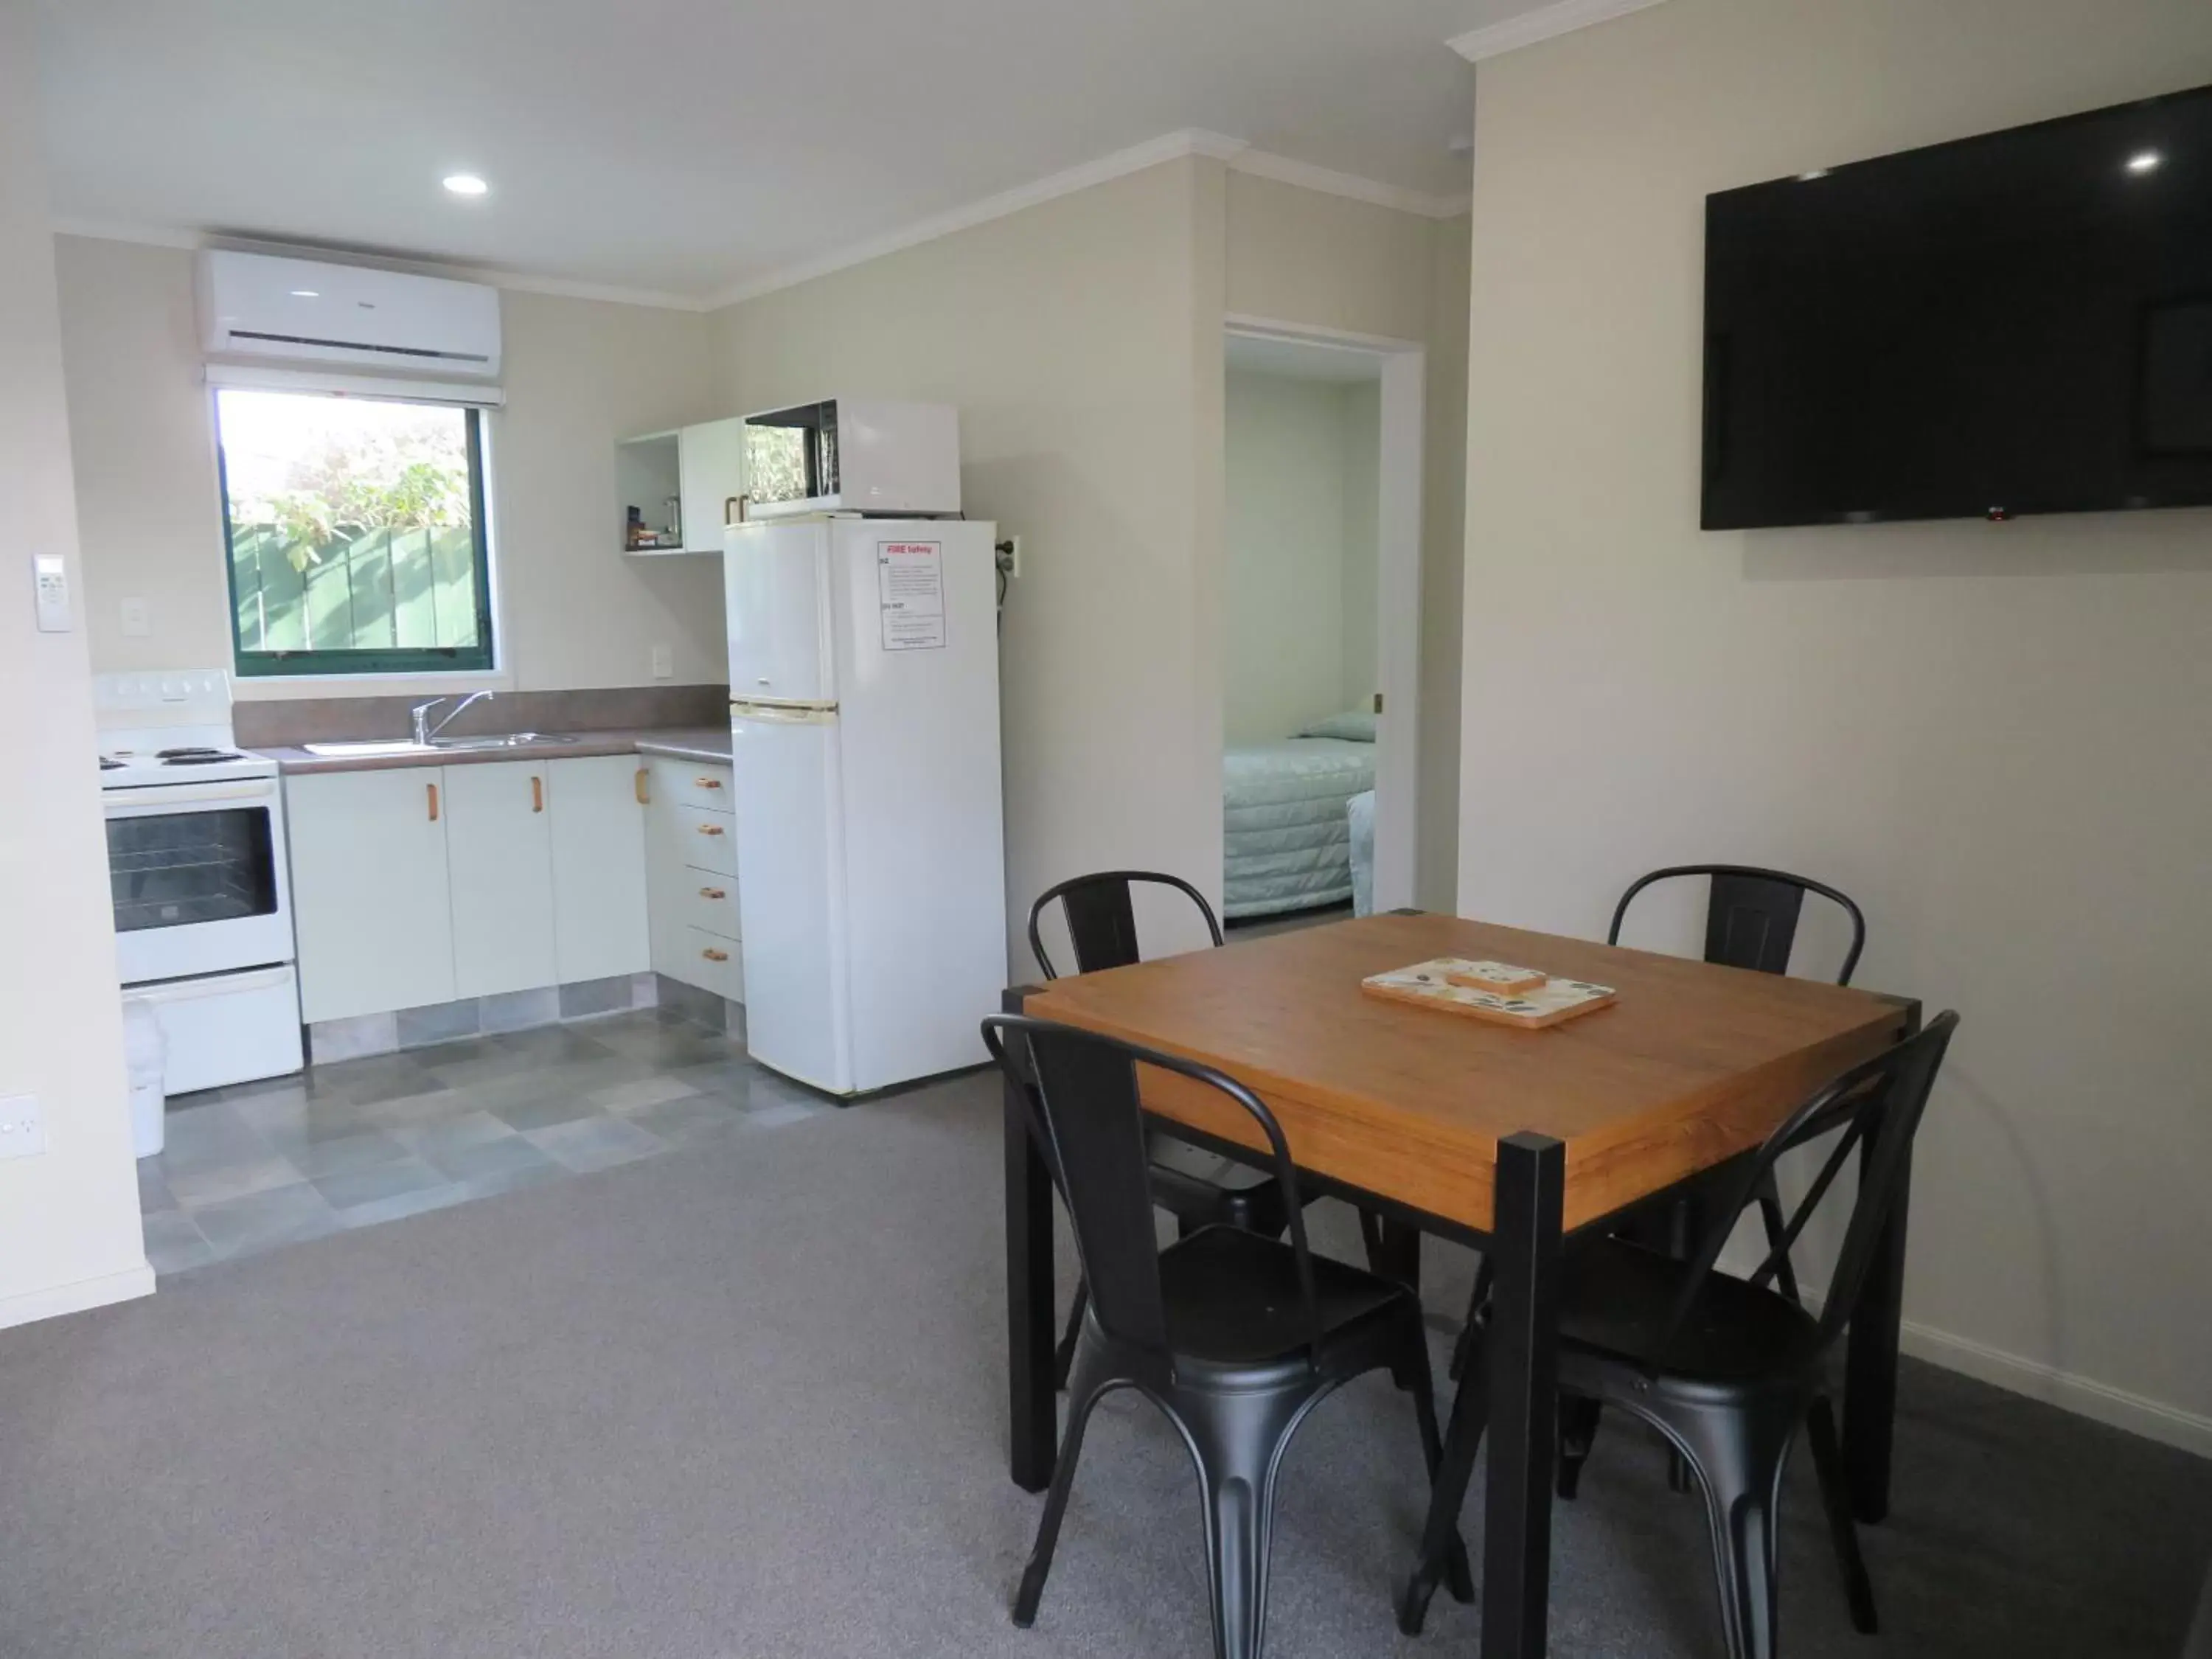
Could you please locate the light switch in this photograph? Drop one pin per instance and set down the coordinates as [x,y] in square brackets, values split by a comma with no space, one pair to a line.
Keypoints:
[663,661]
[137,623]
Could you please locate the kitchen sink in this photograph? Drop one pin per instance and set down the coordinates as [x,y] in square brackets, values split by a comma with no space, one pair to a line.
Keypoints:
[373,748]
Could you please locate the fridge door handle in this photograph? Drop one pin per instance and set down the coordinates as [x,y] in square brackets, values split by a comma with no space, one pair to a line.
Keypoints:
[769,714]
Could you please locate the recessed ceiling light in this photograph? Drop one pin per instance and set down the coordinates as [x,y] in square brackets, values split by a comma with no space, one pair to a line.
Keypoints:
[466,184]
[1808,178]
[306,293]
[2148,160]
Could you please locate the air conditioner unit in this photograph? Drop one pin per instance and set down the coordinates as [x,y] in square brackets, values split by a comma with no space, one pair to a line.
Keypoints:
[256,305]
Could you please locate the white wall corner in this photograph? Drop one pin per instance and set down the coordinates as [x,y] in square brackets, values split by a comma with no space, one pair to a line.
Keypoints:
[51,1301]
[1526,29]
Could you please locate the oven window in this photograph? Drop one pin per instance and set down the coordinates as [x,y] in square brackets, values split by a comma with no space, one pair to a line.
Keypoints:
[181,868]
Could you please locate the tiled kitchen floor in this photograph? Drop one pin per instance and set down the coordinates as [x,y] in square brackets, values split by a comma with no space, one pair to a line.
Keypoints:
[364,1141]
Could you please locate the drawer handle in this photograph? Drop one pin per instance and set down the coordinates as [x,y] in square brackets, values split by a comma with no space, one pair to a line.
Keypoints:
[713,893]
[710,828]
[433,789]
[537,794]
[712,955]
[644,788]
[708,783]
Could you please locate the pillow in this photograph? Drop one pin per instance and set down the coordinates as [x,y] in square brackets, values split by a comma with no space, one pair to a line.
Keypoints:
[1358,726]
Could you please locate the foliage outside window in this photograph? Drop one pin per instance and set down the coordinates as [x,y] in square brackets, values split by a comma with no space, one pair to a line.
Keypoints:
[775,463]
[355,531]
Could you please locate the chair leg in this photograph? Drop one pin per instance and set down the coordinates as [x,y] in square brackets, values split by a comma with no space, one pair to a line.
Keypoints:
[1737,1458]
[1056,1506]
[1483,1275]
[1578,1419]
[1461,1573]
[1447,1493]
[1239,1441]
[1063,1357]
[1769,1212]
[1843,1528]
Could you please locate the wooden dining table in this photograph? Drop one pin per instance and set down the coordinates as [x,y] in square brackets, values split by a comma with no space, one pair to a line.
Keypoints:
[1507,1140]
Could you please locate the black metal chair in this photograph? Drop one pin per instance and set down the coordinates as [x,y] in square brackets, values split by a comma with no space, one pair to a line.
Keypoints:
[1198,1188]
[1726,1369]
[1751,921]
[1235,1336]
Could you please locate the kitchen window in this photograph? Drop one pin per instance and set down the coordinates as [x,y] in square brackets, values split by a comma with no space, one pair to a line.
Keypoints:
[355,534]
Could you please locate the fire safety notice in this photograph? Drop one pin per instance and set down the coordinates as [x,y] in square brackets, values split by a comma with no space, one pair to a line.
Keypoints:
[910,585]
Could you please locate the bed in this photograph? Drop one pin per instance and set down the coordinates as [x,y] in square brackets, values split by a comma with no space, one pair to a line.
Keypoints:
[1286,837]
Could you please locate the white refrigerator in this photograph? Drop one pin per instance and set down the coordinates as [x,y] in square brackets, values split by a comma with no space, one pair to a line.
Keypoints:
[864,719]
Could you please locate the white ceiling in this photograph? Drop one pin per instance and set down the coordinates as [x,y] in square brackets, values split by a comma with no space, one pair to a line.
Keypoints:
[687,146]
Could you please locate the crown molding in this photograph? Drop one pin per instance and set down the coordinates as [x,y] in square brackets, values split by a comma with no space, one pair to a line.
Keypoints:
[1233,153]
[516,282]
[1545,23]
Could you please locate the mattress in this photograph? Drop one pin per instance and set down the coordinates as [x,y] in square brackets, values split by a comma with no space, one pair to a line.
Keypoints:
[1285,838]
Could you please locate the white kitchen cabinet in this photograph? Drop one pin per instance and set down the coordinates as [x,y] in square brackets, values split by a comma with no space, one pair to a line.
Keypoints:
[691,885]
[701,468]
[710,463]
[370,898]
[598,819]
[499,865]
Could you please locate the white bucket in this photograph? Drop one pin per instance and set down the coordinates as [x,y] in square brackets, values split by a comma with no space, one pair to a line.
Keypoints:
[145,1055]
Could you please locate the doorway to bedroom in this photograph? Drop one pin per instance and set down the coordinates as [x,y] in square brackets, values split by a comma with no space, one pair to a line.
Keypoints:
[1322,452]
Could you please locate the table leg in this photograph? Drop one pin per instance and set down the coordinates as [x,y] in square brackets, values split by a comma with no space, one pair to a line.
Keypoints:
[1031,1412]
[1524,1399]
[1870,1361]
[1870,1364]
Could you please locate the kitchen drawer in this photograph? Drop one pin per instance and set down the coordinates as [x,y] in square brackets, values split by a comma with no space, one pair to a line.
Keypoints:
[690,785]
[710,902]
[716,964]
[709,839]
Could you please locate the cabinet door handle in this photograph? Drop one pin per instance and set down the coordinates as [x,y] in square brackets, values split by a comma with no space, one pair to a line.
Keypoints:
[714,893]
[537,794]
[708,783]
[712,955]
[433,789]
[644,788]
[710,828]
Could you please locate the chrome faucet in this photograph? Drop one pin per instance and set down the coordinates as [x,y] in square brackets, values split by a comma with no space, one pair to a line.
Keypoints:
[424,731]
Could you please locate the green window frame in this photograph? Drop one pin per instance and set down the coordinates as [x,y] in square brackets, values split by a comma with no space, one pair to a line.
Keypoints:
[371,575]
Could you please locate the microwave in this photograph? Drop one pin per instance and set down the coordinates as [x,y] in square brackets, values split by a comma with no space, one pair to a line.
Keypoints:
[847,455]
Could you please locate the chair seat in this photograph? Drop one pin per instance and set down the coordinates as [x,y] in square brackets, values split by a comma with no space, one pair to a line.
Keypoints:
[1231,1297]
[1615,1297]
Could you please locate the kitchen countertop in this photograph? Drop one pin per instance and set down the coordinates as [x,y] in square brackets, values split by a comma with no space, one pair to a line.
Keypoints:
[694,742]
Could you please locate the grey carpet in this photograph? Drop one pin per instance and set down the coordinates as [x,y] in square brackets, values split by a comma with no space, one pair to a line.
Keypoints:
[747,1402]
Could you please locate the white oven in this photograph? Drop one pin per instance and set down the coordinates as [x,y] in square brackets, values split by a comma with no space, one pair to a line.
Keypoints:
[197,872]
[196,869]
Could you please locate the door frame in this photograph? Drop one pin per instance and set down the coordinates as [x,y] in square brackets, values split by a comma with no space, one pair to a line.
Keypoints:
[1398,583]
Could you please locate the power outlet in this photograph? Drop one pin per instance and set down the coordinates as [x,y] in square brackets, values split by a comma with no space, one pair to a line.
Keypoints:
[22,1126]
[663,661]
[1010,557]
[138,621]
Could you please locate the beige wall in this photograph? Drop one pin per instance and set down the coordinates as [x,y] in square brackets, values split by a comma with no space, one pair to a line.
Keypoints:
[1995,738]
[1316,261]
[1299,610]
[579,376]
[1068,336]
[69,1220]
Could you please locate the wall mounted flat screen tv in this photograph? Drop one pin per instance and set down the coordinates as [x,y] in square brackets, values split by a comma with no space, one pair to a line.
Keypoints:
[2012,323]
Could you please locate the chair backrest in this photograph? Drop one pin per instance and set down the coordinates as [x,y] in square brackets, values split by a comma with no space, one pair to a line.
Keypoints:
[1101,922]
[1751,916]
[1082,1092]
[1877,1105]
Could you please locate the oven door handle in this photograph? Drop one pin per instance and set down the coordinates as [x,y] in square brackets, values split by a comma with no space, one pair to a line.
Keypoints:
[210,985]
[190,794]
